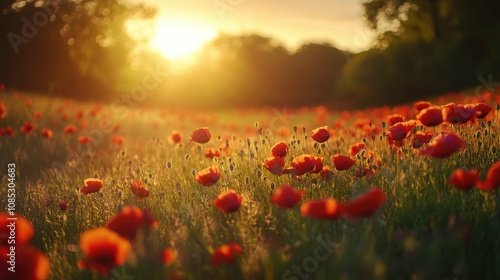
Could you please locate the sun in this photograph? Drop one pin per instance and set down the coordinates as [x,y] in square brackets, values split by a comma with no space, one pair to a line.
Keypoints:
[180,39]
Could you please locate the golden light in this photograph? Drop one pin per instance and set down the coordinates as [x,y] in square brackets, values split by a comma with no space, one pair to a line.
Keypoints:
[180,39]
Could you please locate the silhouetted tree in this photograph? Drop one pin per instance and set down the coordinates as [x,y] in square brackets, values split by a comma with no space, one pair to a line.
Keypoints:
[252,70]
[425,47]
[317,68]
[78,49]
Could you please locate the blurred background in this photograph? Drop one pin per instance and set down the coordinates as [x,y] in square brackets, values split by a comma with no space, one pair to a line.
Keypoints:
[236,53]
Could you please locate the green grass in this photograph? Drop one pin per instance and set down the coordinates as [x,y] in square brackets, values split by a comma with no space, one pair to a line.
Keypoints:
[425,230]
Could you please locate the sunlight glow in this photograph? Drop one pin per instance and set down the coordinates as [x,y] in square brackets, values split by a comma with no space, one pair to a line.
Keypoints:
[180,39]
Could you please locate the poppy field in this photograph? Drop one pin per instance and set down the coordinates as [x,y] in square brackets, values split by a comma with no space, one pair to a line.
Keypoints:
[126,192]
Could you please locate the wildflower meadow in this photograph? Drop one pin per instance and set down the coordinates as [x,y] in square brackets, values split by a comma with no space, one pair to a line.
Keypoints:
[99,191]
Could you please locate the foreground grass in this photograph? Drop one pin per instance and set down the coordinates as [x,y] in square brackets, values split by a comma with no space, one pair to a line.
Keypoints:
[425,230]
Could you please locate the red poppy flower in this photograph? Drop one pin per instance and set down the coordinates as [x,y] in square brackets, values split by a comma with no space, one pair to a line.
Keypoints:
[393,141]
[393,119]
[208,176]
[139,189]
[342,162]
[492,178]
[3,111]
[318,165]
[31,264]
[23,228]
[176,137]
[127,222]
[201,135]
[228,201]
[401,130]
[307,163]
[212,152]
[482,109]
[398,132]
[323,209]
[63,205]
[420,138]
[118,140]
[285,196]
[354,149]
[274,164]
[279,149]
[444,145]
[431,116]
[420,105]
[91,185]
[364,205]
[168,256]
[95,110]
[46,133]
[105,249]
[83,139]
[70,129]
[27,128]
[79,115]
[8,131]
[463,180]
[457,114]
[320,134]
[37,115]
[226,254]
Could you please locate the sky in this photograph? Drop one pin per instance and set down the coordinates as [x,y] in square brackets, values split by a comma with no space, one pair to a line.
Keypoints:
[291,22]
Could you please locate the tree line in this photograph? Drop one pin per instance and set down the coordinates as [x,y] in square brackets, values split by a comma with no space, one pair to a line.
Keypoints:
[84,50]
